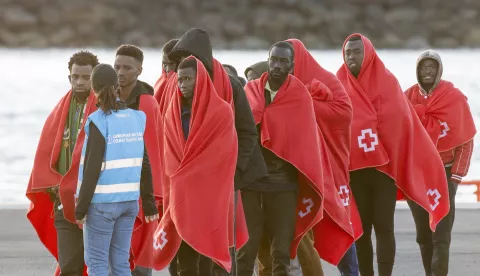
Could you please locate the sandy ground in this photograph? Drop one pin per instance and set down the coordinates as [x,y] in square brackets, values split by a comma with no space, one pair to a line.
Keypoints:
[22,254]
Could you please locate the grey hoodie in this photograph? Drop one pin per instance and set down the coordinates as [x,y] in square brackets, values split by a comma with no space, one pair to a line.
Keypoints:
[430,54]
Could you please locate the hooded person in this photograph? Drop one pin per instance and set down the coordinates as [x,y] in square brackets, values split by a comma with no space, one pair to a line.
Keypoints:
[200,158]
[255,71]
[289,201]
[444,112]
[250,163]
[233,72]
[56,164]
[390,150]
[166,84]
[333,110]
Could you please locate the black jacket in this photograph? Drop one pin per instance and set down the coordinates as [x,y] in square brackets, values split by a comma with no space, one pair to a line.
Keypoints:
[250,163]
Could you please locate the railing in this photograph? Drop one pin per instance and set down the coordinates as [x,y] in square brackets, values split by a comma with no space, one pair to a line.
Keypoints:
[474,183]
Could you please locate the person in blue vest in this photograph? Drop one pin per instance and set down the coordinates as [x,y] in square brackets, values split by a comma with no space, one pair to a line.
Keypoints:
[112,178]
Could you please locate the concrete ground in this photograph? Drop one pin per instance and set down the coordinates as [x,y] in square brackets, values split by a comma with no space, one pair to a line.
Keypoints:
[22,254]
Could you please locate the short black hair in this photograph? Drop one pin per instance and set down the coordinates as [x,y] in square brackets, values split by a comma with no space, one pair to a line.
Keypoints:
[234,71]
[83,58]
[130,51]
[188,63]
[355,38]
[285,45]
[169,45]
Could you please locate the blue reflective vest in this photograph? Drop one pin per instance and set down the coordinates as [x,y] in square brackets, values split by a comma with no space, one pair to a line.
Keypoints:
[119,179]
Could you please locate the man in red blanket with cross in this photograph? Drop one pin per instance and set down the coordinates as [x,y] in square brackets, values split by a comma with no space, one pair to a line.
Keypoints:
[390,150]
[289,200]
[333,110]
[445,114]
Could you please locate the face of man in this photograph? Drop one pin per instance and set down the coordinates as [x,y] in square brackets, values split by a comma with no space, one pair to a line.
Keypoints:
[186,81]
[427,72]
[167,64]
[80,79]
[128,69]
[354,51]
[280,62]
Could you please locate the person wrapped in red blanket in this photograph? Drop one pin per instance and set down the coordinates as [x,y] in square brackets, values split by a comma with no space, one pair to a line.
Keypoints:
[250,164]
[167,83]
[333,110]
[445,114]
[56,164]
[289,201]
[200,158]
[390,149]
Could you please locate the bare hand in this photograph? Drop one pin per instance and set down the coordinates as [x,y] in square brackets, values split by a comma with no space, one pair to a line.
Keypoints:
[82,221]
[153,218]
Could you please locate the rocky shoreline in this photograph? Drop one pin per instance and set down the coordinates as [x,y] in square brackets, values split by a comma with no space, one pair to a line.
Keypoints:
[239,24]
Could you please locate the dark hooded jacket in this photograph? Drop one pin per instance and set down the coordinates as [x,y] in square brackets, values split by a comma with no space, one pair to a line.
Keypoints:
[250,162]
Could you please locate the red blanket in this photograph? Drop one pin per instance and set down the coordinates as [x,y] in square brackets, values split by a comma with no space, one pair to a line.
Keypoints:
[445,114]
[142,238]
[222,84]
[164,88]
[387,135]
[45,175]
[292,110]
[201,169]
[333,110]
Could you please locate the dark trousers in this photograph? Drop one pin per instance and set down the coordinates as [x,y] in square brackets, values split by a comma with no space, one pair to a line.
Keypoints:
[435,246]
[189,262]
[277,212]
[70,246]
[375,194]
[142,271]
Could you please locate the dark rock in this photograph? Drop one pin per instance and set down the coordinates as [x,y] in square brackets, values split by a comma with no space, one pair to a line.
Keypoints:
[33,39]
[16,16]
[62,36]
[445,42]
[417,42]
[136,38]
[239,24]
[472,38]
[50,16]
[342,13]
[8,39]
[234,29]
[405,15]
[390,40]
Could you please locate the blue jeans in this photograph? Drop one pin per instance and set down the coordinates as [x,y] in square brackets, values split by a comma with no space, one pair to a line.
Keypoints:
[107,236]
[348,265]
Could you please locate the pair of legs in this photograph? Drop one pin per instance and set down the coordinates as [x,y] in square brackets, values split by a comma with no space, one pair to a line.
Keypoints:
[435,246]
[107,237]
[375,194]
[189,262]
[70,246]
[273,213]
[307,258]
